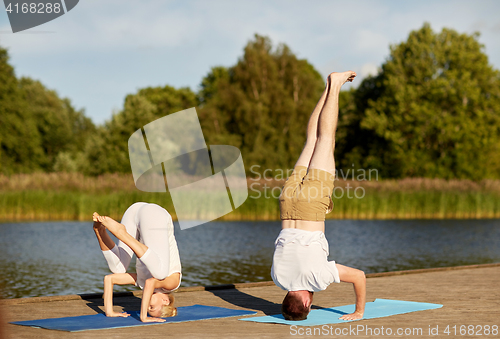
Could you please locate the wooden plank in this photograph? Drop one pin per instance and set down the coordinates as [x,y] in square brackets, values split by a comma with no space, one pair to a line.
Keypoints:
[469,294]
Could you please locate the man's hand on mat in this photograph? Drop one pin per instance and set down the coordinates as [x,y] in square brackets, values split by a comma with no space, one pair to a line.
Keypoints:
[152,320]
[117,314]
[352,316]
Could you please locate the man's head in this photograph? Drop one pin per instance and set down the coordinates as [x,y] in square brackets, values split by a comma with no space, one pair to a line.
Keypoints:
[297,305]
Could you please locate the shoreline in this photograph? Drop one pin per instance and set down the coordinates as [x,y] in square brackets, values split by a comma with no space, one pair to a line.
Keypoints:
[233,219]
[66,196]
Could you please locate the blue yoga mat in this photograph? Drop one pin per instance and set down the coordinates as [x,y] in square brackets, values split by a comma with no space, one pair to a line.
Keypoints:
[376,309]
[100,321]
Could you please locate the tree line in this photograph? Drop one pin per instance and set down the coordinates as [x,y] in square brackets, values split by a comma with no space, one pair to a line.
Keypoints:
[431,111]
[39,131]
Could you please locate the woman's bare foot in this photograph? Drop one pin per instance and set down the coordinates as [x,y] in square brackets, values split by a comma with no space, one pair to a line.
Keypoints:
[341,78]
[97,224]
[112,225]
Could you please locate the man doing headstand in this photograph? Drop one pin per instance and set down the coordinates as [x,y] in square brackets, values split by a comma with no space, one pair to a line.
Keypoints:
[300,264]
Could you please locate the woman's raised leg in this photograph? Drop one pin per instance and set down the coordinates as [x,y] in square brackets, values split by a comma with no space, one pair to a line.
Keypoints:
[105,241]
[119,257]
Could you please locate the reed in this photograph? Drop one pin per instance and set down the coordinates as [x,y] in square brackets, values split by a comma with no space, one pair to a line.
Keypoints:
[63,196]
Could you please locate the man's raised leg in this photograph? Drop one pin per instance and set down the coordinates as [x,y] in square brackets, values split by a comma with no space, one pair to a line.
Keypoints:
[312,130]
[322,157]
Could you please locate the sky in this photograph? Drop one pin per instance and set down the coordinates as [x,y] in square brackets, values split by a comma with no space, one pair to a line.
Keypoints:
[103,50]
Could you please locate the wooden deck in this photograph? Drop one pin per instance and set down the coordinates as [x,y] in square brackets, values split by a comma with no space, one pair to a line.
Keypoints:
[470,295]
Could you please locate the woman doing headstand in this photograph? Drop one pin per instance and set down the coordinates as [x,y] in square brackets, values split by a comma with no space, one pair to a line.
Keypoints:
[146,230]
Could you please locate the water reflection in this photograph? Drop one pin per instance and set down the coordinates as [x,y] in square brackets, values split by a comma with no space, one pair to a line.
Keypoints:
[57,258]
[381,245]
[253,268]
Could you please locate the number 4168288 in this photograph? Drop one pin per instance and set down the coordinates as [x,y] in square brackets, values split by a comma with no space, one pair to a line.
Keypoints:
[471,330]
[34,8]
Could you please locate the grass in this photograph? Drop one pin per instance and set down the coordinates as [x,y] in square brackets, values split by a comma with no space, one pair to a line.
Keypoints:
[72,196]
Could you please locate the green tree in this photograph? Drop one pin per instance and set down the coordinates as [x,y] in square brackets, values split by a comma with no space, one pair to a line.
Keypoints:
[51,118]
[82,127]
[261,105]
[169,99]
[72,159]
[357,146]
[36,125]
[107,150]
[20,149]
[61,128]
[433,111]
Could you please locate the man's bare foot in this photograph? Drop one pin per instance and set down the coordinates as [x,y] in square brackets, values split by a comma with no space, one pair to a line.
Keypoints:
[112,225]
[352,316]
[341,78]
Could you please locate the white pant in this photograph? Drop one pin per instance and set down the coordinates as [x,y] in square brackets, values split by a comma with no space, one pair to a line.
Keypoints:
[151,225]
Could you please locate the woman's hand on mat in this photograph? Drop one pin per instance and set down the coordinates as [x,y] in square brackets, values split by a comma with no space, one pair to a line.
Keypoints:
[152,320]
[117,314]
[352,316]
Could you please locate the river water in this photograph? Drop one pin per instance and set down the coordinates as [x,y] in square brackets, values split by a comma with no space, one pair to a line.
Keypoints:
[58,258]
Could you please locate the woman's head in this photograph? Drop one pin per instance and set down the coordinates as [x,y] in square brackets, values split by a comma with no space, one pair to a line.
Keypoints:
[162,305]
